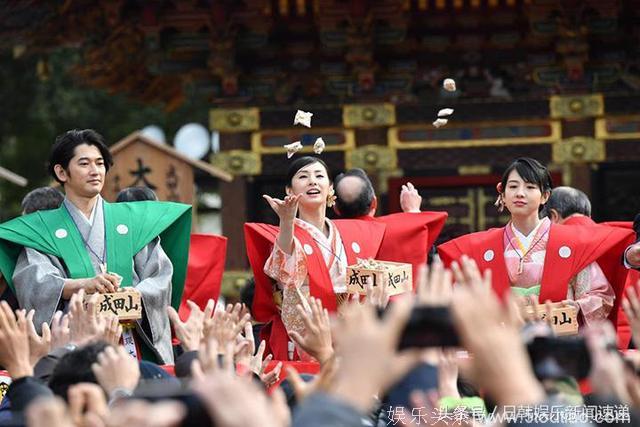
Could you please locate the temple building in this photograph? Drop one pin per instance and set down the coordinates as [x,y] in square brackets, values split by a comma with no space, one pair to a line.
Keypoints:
[555,80]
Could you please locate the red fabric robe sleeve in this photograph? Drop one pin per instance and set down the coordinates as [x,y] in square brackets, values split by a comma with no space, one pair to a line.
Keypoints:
[259,239]
[587,244]
[361,239]
[207,256]
[579,220]
[630,277]
[486,248]
[409,237]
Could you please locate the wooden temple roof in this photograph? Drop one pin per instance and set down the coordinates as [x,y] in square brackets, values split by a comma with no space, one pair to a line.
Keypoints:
[282,52]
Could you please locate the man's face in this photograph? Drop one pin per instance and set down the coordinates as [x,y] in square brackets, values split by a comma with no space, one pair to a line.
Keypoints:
[86,172]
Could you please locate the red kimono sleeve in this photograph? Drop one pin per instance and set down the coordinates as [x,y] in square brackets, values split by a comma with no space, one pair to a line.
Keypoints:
[630,277]
[259,239]
[486,248]
[409,237]
[207,256]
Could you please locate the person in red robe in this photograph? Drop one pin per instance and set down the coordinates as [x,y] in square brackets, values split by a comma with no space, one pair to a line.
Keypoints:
[404,232]
[307,255]
[570,206]
[207,256]
[532,256]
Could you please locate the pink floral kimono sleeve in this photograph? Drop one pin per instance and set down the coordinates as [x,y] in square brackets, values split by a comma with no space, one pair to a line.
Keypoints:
[287,270]
[290,273]
[593,293]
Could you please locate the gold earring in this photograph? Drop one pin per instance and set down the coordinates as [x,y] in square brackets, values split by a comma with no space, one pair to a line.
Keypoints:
[499,203]
[331,198]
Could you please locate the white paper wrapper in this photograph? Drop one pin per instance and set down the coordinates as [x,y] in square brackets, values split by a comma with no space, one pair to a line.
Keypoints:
[445,112]
[318,146]
[371,264]
[449,85]
[302,118]
[293,148]
[440,122]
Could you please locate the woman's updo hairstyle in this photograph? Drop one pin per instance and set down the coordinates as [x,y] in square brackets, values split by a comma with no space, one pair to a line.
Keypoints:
[301,162]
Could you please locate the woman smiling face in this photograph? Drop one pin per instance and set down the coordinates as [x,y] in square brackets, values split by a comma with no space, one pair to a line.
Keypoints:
[312,181]
[523,198]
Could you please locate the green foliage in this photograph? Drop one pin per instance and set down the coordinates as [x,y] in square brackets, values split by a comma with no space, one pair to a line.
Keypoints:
[34,111]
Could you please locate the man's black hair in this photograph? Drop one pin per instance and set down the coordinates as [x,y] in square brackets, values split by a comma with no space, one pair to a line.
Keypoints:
[64,148]
[75,367]
[136,194]
[360,205]
[41,199]
[568,201]
[247,293]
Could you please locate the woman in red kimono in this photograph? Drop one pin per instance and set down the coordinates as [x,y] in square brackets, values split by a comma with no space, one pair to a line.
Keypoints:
[531,256]
[307,255]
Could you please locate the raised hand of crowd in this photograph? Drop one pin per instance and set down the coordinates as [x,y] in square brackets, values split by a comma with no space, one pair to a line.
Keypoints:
[316,340]
[14,342]
[191,331]
[85,326]
[358,352]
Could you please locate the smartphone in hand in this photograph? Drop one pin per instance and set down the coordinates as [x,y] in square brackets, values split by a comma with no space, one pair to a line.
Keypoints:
[428,326]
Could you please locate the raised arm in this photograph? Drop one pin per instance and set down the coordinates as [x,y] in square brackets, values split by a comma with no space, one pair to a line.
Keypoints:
[410,199]
[286,210]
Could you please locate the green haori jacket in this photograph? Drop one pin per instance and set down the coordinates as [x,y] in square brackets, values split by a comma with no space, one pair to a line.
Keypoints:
[129,227]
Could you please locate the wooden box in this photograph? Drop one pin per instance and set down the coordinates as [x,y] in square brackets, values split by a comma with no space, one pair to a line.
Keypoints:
[564,318]
[126,304]
[395,276]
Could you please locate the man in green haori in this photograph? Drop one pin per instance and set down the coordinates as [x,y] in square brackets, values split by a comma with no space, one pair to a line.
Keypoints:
[97,246]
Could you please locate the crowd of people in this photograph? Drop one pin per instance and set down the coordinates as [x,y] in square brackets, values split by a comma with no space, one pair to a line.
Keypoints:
[475,342]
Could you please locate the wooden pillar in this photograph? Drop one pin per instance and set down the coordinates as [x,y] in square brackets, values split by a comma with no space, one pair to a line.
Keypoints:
[371,123]
[235,127]
[579,174]
[578,150]
[234,215]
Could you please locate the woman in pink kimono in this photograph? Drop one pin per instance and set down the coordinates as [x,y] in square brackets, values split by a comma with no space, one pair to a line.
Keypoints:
[531,256]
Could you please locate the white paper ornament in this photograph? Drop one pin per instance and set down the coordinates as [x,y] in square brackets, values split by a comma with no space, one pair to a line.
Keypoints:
[445,112]
[318,146]
[440,122]
[449,85]
[293,148]
[302,118]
